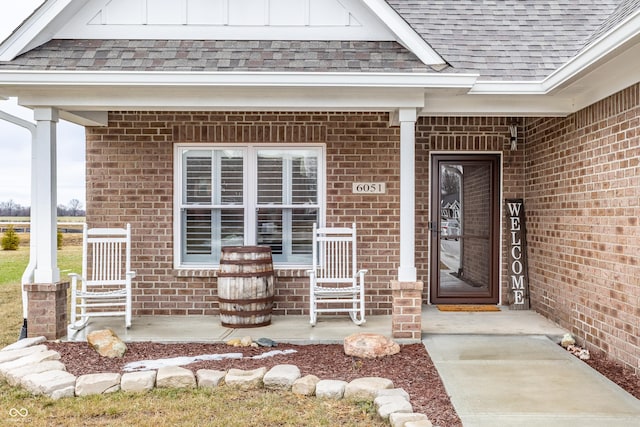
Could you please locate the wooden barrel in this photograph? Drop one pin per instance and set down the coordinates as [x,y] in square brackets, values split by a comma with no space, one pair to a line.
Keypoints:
[245,286]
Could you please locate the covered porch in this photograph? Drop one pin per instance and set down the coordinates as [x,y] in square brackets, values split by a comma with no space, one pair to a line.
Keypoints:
[329,330]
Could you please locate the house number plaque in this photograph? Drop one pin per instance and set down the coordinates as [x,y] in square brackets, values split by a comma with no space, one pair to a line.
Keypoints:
[369,188]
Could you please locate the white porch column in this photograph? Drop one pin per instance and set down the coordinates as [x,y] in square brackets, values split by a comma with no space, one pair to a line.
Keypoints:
[407,269]
[44,199]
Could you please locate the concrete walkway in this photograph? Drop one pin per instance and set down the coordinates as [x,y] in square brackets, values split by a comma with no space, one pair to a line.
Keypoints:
[526,380]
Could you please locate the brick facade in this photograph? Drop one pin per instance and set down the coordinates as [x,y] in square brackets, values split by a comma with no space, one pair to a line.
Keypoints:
[583,212]
[130,179]
[579,178]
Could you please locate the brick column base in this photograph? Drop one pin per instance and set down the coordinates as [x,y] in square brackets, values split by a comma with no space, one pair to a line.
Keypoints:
[47,309]
[406,316]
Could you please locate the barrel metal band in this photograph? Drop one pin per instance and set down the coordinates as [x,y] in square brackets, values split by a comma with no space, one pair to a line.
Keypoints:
[246,261]
[246,325]
[247,274]
[262,312]
[245,301]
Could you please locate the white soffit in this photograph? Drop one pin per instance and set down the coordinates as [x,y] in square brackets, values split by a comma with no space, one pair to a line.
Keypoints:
[226,20]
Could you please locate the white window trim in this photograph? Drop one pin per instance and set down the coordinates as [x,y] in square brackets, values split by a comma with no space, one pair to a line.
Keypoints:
[250,189]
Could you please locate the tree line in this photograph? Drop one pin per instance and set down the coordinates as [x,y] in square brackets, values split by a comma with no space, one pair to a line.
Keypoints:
[11,208]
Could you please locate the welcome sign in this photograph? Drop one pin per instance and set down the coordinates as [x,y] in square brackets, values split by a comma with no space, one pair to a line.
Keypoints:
[517,268]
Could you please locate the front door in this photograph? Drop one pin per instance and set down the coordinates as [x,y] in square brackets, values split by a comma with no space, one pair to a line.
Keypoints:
[464,228]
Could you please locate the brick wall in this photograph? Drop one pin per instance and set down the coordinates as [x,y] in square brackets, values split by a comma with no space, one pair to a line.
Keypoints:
[130,179]
[583,209]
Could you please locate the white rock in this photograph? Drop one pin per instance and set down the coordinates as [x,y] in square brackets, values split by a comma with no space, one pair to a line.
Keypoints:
[14,376]
[394,392]
[330,389]
[398,405]
[24,343]
[385,400]
[69,391]
[38,357]
[9,355]
[49,383]
[366,388]
[138,382]
[245,379]
[210,377]
[175,377]
[400,419]
[305,386]
[421,423]
[97,384]
[567,340]
[281,377]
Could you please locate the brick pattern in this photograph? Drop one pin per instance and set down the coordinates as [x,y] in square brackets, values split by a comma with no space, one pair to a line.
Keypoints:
[47,309]
[583,214]
[130,179]
[406,319]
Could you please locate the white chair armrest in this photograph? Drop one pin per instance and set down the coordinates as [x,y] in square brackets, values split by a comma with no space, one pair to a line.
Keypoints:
[131,274]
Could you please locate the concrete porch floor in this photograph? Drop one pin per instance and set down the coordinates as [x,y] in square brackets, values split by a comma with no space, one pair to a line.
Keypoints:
[297,330]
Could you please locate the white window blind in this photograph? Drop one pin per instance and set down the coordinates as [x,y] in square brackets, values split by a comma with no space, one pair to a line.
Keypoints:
[246,196]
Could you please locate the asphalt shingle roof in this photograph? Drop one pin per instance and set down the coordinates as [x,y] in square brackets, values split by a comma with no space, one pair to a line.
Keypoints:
[498,39]
[211,55]
[624,9]
[506,39]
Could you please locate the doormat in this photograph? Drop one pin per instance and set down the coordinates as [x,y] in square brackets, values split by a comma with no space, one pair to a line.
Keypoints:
[467,307]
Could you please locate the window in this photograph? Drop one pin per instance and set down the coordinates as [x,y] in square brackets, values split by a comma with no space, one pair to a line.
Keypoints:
[247,195]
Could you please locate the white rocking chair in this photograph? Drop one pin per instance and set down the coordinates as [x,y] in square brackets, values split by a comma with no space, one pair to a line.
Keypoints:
[104,288]
[334,278]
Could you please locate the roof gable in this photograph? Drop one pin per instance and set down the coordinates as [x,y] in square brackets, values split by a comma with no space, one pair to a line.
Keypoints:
[326,20]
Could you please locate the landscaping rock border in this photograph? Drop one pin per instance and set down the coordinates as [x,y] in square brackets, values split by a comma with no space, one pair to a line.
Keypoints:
[31,365]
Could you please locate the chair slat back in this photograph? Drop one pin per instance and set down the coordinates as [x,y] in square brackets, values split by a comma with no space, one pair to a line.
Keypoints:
[334,255]
[106,255]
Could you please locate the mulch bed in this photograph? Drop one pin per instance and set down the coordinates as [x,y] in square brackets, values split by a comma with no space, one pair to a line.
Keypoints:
[411,369]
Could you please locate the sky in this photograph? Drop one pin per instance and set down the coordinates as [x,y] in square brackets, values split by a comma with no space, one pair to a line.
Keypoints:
[15,141]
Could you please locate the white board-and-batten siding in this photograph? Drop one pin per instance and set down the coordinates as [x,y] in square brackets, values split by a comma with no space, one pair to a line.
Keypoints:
[227,19]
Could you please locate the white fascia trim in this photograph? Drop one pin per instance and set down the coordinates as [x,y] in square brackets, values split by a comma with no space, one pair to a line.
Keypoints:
[33,31]
[508,88]
[616,38]
[251,79]
[406,35]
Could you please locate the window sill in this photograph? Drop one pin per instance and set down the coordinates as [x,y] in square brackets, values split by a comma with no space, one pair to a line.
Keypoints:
[300,271]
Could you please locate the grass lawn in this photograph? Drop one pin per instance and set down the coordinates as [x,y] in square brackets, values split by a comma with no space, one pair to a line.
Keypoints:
[223,406]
